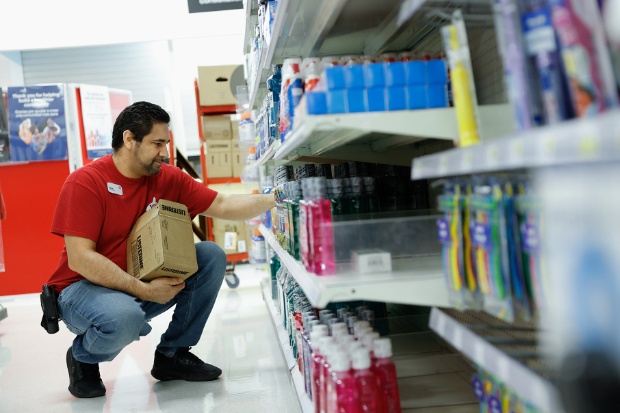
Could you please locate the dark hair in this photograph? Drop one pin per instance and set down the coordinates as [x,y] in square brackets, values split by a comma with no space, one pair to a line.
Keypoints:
[138,118]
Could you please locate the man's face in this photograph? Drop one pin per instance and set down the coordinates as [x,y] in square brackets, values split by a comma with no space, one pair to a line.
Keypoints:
[151,152]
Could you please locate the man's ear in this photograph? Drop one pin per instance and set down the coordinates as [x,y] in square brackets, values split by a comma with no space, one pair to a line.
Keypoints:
[128,139]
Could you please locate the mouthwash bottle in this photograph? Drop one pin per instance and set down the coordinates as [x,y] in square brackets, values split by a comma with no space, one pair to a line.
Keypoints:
[321,229]
[335,192]
[386,375]
[305,242]
[371,196]
[356,198]
[292,203]
[365,381]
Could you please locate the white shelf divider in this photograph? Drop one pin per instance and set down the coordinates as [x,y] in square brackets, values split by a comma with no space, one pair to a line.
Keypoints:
[296,377]
[314,135]
[577,141]
[515,375]
[417,281]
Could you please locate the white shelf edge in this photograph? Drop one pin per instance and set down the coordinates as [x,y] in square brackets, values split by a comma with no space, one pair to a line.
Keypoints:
[576,141]
[438,123]
[417,287]
[297,379]
[268,155]
[519,378]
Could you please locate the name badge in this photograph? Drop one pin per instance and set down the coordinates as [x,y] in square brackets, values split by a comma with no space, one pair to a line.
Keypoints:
[115,189]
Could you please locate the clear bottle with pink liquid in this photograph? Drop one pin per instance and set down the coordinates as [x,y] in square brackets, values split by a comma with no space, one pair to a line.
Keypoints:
[321,228]
[365,382]
[341,390]
[326,344]
[305,242]
[316,359]
[385,372]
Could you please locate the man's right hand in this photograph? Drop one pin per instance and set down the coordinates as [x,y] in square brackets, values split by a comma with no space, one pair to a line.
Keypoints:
[162,290]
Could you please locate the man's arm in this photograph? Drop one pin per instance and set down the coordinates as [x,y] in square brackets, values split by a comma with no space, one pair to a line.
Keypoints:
[86,261]
[240,207]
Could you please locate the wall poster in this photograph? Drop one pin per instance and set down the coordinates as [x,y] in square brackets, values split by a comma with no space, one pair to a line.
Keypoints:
[97,120]
[37,123]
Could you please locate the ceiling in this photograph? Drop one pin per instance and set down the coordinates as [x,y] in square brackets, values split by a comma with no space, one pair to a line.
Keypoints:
[44,24]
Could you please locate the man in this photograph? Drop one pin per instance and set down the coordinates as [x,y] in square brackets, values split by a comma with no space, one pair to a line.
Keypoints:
[99,301]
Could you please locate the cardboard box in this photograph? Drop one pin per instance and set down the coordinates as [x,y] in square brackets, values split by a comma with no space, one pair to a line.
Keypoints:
[238,159]
[219,158]
[161,243]
[214,84]
[216,127]
[231,236]
[234,129]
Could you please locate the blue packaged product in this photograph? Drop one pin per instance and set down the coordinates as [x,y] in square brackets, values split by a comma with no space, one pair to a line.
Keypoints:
[416,72]
[417,97]
[295,92]
[375,99]
[437,71]
[356,101]
[395,74]
[396,98]
[374,75]
[354,76]
[336,101]
[334,78]
[316,102]
[437,96]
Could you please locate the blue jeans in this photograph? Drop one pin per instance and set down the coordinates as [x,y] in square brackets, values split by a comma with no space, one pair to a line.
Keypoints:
[107,320]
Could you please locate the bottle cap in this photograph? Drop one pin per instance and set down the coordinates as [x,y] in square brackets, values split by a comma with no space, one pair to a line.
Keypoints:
[309,325]
[358,325]
[315,338]
[325,342]
[340,361]
[339,326]
[345,340]
[368,340]
[355,345]
[361,359]
[321,328]
[382,348]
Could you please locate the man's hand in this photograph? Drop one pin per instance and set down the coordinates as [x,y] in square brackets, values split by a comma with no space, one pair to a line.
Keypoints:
[162,290]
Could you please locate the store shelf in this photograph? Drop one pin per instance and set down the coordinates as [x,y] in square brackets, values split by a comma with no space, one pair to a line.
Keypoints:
[572,142]
[417,281]
[296,377]
[3,312]
[466,337]
[251,13]
[385,131]
[268,155]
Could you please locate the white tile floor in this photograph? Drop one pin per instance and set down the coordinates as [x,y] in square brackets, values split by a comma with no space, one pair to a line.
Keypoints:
[239,338]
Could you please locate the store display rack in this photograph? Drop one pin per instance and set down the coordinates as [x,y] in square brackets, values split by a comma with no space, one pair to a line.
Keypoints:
[417,281]
[466,336]
[577,141]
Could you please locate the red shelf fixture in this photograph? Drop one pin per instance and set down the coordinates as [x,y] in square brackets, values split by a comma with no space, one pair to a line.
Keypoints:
[212,111]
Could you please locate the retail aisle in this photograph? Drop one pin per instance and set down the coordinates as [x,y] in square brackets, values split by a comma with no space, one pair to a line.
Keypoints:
[239,338]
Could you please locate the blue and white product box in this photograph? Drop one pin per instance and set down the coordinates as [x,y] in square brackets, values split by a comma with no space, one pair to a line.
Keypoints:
[416,71]
[334,78]
[354,76]
[375,99]
[417,97]
[395,74]
[336,101]
[396,98]
[374,75]
[437,96]
[437,72]
[356,100]
[316,103]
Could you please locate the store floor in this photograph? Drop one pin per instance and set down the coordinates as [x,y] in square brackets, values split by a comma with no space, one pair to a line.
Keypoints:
[239,338]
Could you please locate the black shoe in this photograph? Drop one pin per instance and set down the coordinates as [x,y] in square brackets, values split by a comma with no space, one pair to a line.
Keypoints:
[84,378]
[183,366]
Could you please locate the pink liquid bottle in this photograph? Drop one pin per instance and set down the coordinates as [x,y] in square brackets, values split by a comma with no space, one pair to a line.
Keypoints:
[368,342]
[320,330]
[326,345]
[385,372]
[305,241]
[321,228]
[365,382]
[341,394]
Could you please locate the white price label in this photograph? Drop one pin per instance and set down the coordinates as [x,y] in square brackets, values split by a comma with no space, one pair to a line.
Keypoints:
[589,143]
[467,160]
[478,353]
[516,154]
[442,166]
[457,338]
[492,155]
[548,148]
[503,367]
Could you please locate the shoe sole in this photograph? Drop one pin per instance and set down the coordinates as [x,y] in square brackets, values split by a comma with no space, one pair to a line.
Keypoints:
[168,376]
[74,391]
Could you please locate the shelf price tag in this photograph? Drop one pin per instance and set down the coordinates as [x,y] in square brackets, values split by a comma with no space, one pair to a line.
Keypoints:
[492,156]
[467,160]
[547,148]
[589,143]
[516,152]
